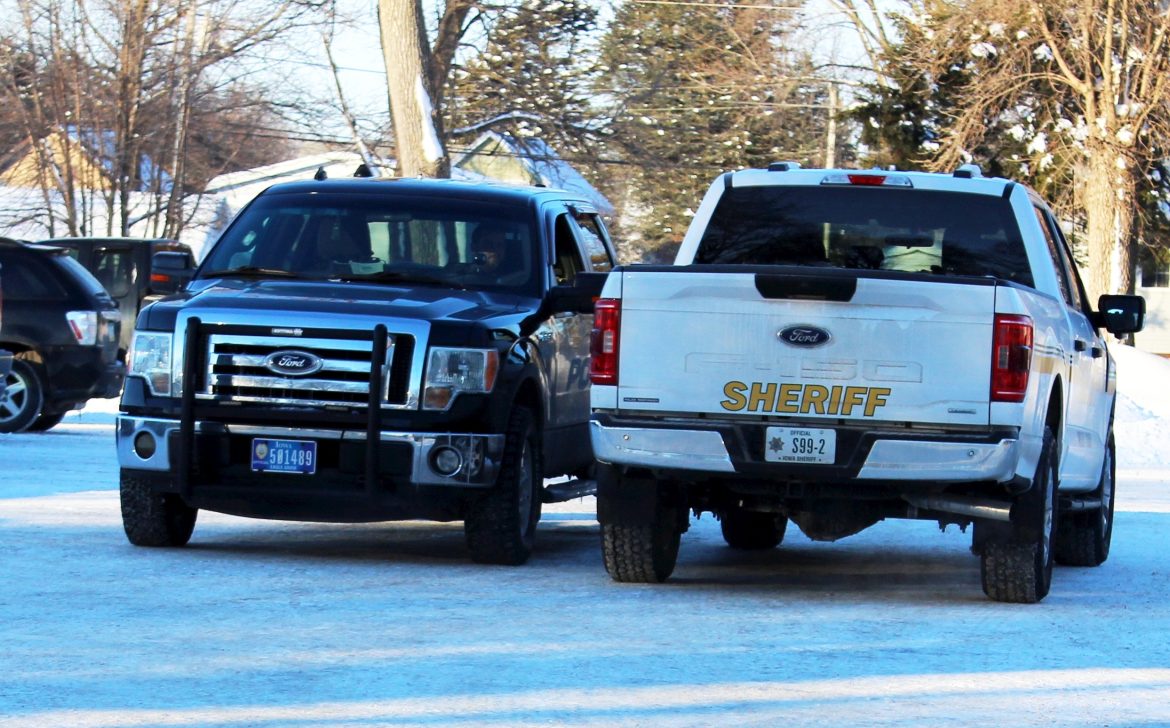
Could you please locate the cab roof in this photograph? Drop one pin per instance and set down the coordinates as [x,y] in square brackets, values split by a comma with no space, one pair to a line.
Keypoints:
[497,192]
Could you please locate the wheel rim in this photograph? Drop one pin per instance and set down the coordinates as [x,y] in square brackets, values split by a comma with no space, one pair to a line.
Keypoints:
[14,401]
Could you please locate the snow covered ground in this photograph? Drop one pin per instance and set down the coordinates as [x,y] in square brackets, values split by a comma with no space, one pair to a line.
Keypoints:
[262,623]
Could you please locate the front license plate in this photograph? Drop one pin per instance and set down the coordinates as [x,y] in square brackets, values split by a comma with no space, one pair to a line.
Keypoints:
[284,456]
[800,445]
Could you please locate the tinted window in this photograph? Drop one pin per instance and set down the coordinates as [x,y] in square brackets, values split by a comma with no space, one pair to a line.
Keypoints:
[77,272]
[915,231]
[26,278]
[114,269]
[331,236]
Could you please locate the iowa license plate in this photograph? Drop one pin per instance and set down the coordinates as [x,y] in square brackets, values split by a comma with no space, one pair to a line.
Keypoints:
[284,456]
[800,445]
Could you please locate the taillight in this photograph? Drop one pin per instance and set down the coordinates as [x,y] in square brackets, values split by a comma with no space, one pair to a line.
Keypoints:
[84,325]
[1011,357]
[603,341]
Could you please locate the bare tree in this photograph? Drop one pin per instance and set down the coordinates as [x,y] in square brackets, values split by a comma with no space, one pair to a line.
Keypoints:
[115,87]
[1084,87]
[416,76]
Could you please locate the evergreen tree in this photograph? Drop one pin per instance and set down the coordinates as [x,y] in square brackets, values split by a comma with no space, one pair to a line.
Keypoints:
[699,90]
[531,78]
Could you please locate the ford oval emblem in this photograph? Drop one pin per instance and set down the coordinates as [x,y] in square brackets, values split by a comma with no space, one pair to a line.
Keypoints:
[804,335]
[293,363]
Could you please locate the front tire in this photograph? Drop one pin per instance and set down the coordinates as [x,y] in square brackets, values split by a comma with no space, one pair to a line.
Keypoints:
[24,395]
[1083,537]
[752,530]
[500,526]
[1019,568]
[154,519]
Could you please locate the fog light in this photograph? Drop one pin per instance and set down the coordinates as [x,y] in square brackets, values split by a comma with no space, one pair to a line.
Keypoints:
[145,445]
[446,461]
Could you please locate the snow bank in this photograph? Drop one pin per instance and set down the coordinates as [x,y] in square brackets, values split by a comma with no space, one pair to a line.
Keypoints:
[1142,424]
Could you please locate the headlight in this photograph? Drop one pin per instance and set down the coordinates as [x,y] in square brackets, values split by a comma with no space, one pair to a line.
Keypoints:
[150,358]
[454,371]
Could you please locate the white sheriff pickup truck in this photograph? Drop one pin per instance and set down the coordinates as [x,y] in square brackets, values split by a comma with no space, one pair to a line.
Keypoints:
[838,347]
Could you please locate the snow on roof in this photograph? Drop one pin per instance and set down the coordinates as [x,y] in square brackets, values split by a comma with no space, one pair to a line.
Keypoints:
[299,168]
[542,161]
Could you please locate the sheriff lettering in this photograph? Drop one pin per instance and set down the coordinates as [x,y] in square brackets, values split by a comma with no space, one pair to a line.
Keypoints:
[803,399]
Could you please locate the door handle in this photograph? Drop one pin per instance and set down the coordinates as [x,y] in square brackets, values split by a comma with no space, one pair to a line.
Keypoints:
[1098,352]
[1080,345]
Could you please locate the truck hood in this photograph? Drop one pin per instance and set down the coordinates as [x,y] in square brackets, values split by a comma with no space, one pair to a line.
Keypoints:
[412,302]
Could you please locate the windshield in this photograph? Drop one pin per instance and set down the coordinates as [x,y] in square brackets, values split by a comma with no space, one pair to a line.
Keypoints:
[914,231]
[393,239]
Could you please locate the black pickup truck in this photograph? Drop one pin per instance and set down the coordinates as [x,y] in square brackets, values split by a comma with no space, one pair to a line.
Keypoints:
[369,350]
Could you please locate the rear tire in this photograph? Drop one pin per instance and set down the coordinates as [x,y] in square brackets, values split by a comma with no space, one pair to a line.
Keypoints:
[500,526]
[24,395]
[752,530]
[154,519]
[643,554]
[1083,537]
[640,529]
[1019,568]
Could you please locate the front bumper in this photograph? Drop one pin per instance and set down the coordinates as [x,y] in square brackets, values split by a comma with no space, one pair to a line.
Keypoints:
[224,449]
[863,453]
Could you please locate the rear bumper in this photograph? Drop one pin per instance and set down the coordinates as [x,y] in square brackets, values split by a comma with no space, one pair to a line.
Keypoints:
[222,455]
[863,453]
[79,373]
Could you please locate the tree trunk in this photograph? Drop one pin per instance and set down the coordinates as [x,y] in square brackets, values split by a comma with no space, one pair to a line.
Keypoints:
[1110,196]
[417,125]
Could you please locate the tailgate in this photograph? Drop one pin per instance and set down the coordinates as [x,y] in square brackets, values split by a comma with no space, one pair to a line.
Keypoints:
[888,349]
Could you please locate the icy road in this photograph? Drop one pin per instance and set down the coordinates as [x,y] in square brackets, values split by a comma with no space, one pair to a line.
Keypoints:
[262,623]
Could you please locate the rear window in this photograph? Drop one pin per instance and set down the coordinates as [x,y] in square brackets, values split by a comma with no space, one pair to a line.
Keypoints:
[84,278]
[912,231]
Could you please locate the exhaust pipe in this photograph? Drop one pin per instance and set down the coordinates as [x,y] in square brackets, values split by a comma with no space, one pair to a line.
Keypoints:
[962,505]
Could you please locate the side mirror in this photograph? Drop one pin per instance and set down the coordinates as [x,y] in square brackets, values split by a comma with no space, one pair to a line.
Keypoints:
[579,296]
[1120,314]
[169,271]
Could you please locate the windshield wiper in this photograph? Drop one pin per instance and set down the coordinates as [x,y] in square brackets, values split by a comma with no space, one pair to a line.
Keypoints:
[395,276]
[251,271]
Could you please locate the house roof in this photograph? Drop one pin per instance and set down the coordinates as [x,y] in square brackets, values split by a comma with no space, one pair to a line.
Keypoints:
[97,148]
[102,147]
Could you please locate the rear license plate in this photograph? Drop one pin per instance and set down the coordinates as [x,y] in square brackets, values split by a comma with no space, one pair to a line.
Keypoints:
[800,445]
[284,456]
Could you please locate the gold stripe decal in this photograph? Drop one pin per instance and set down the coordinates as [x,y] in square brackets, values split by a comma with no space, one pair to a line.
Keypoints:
[802,399]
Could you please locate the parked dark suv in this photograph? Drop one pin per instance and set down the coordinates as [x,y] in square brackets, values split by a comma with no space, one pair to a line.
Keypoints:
[63,328]
[125,267]
[5,355]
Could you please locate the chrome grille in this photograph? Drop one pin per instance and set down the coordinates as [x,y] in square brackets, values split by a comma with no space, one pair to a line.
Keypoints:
[236,370]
